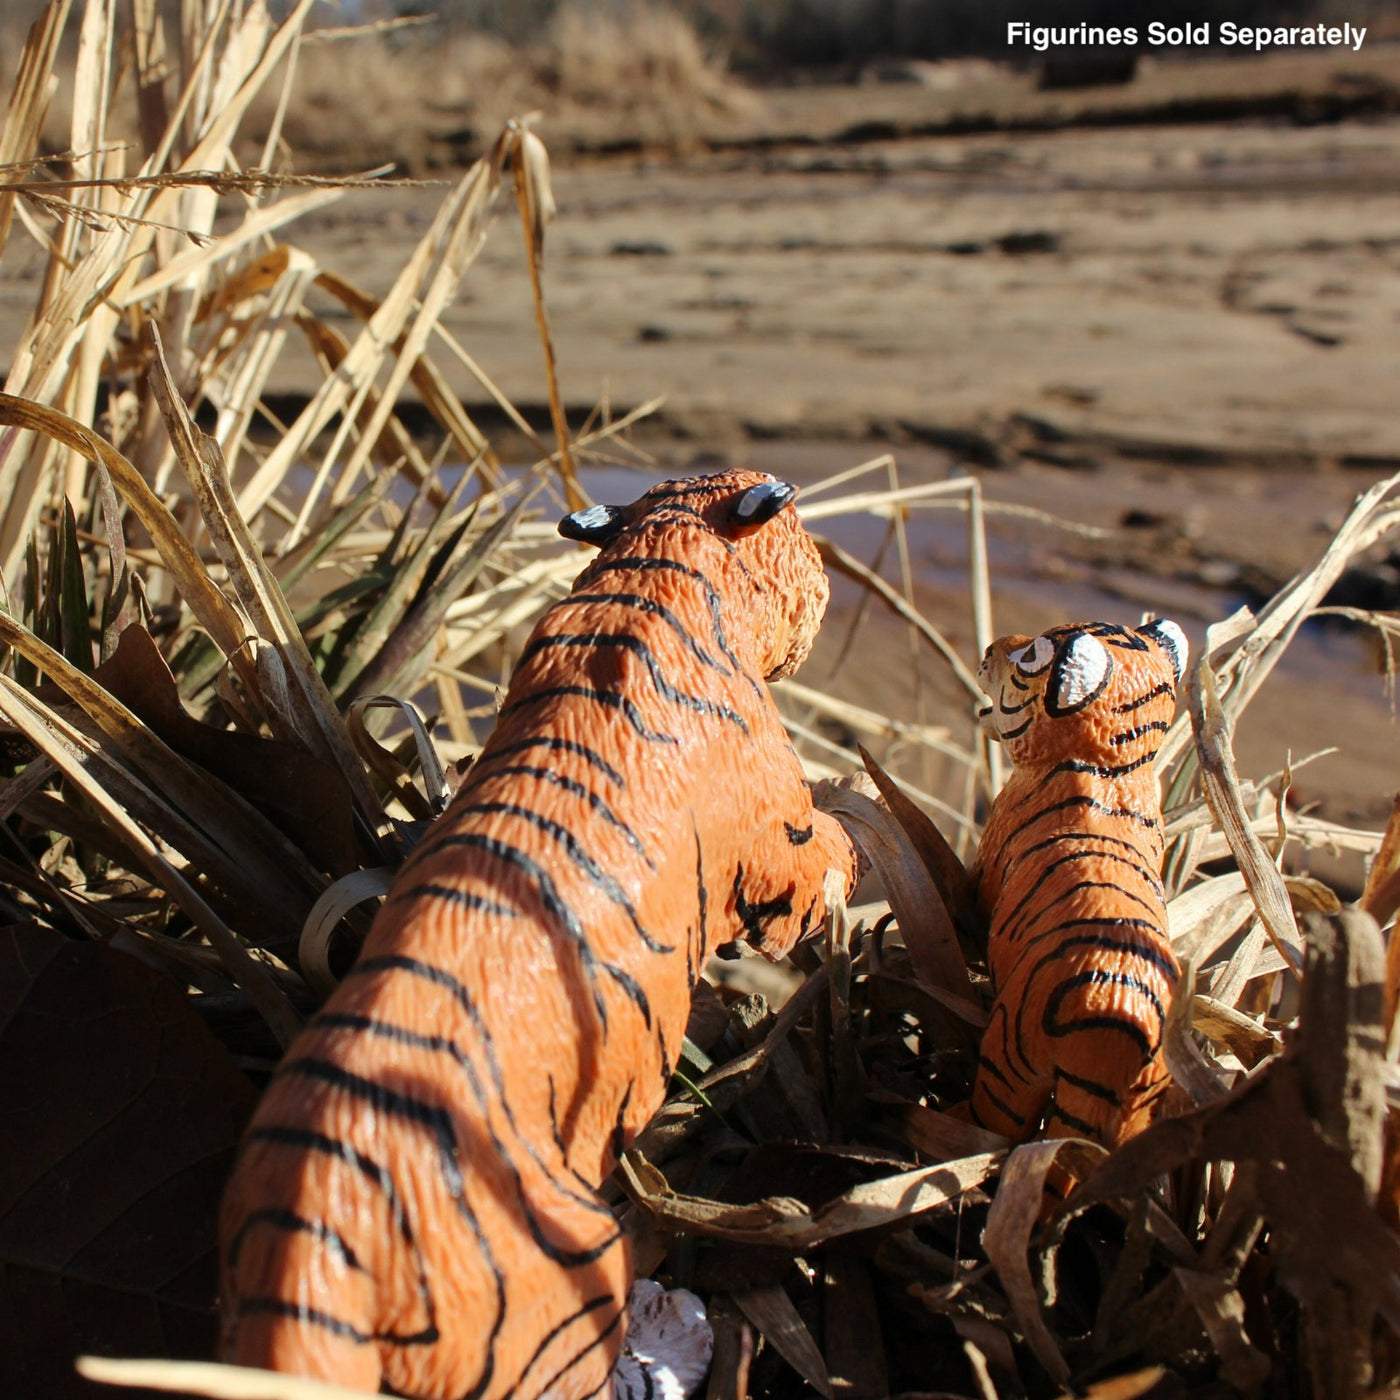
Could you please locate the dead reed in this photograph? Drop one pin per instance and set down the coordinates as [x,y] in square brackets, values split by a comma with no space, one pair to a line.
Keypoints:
[202,624]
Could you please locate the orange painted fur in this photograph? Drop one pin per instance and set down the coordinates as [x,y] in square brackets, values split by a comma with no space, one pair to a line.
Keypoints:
[415,1201]
[1069,876]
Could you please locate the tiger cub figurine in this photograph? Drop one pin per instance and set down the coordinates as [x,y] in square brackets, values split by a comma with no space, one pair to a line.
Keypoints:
[1069,875]
[415,1200]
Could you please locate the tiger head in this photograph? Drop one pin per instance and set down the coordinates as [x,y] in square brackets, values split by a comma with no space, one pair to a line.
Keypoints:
[749,512]
[1091,691]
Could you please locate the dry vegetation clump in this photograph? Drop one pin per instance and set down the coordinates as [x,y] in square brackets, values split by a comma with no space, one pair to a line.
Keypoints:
[429,95]
[203,627]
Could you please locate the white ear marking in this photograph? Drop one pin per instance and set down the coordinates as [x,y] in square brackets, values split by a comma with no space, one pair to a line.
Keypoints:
[1081,675]
[1172,641]
[1032,660]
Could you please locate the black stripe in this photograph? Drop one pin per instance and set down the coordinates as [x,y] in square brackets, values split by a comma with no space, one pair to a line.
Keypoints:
[1063,948]
[1128,706]
[638,648]
[1000,1105]
[577,789]
[1156,726]
[547,741]
[1152,878]
[590,867]
[436,975]
[592,1305]
[563,915]
[289,1221]
[579,1355]
[1079,800]
[618,1143]
[444,1045]
[753,916]
[644,563]
[309,1140]
[654,609]
[799,835]
[464,898]
[314,1317]
[1098,977]
[1090,1086]
[1074,765]
[602,697]
[705,486]
[440,1122]
[387,1101]
[987,1063]
[1026,912]
[1080,1125]
[1150,950]
[695,960]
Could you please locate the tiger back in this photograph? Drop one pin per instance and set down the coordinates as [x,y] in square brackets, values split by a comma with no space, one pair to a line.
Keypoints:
[415,1201]
[1069,876]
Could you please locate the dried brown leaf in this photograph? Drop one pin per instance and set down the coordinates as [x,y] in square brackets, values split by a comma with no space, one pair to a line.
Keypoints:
[1220,779]
[1015,1213]
[787,1223]
[923,919]
[948,872]
[772,1312]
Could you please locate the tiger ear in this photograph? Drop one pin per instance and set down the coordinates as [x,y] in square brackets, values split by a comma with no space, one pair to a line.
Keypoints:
[1172,640]
[1033,658]
[597,525]
[759,504]
[1079,677]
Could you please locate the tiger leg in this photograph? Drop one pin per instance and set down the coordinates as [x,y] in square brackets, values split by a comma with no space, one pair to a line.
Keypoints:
[1006,1099]
[1097,1091]
[780,896]
[1103,1026]
[323,1324]
[565,1270]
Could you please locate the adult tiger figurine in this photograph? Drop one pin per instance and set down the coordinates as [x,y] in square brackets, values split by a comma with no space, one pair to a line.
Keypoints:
[415,1201]
[1069,875]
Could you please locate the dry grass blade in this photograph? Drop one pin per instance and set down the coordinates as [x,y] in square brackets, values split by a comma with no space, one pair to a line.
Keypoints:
[915,898]
[1243,1036]
[82,765]
[939,858]
[1187,1064]
[389,769]
[401,325]
[772,1312]
[209,1378]
[530,164]
[29,99]
[317,721]
[194,815]
[1222,788]
[1371,519]
[437,396]
[1014,1215]
[785,1223]
[211,609]
[326,916]
[834,557]
[1216,1300]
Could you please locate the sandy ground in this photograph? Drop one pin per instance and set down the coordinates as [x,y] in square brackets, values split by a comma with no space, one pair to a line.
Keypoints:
[1194,327]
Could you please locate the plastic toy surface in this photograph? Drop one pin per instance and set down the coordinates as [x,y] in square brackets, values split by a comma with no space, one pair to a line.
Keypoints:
[415,1200]
[1069,876]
